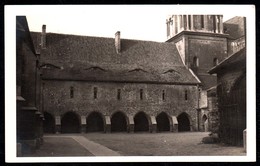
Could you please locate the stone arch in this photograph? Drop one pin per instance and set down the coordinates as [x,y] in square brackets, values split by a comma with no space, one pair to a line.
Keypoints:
[118,122]
[48,123]
[141,122]
[204,123]
[184,122]
[95,122]
[163,122]
[70,123]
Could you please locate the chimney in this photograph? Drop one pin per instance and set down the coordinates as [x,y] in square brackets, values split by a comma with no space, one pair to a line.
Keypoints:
[117,42]
[43,37]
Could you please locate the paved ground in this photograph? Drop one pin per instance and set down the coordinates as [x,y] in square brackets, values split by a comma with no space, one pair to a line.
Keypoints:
[60,146]
[163,144]
[135,144]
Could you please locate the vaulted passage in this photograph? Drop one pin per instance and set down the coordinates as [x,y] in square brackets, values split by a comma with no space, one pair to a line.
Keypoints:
[95,122]
[48,123]
[163,123]
[70,123]
[141,122]
[118,122]
[183,122]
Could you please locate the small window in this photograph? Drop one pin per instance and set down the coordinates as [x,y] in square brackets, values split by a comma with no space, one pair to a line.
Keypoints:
[163,95]
[95,92]
[196,61]
[141,94]
[71,92]
[118,94]
[186,95]
[215,61]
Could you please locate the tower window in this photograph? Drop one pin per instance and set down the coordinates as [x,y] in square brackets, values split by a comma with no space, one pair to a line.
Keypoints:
[186,95]
[196,61]
[141,94]
[163,95]
[189,21]
[215,61]
[214,24]
[202,21]
[71,92]
[118,94]
[95,92]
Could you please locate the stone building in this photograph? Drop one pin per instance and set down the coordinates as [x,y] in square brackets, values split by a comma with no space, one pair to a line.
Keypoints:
[29,116]
[202,44]
[203,41]
[231,84]
[231,92]
[96,84]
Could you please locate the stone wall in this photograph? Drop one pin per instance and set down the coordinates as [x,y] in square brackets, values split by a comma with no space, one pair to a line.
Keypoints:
[57,98]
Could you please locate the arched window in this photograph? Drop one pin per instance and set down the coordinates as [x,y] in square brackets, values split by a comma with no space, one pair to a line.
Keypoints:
[195,61]
[215,61]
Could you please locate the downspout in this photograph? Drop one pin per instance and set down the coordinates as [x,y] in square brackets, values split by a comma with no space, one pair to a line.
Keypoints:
[198,108]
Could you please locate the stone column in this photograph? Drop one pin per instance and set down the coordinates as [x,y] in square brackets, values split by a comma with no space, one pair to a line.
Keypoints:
[131,124]
[153,124]
[178,23]
[107,126]
[173,25]
[191,20]
[205,23]
[174,127]
[57,124]
[83,124]
[220,24]
[187,20]
[182,22]
[216,23]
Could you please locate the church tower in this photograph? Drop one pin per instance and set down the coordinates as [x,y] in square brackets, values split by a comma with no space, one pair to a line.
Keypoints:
[201,43]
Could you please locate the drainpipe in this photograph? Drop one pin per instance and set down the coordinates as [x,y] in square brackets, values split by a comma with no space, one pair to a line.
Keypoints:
[198,109]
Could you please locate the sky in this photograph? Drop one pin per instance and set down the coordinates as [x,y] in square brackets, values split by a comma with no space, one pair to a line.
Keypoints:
[142,22]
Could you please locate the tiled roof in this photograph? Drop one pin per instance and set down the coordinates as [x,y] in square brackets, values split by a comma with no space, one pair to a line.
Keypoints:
[95,58]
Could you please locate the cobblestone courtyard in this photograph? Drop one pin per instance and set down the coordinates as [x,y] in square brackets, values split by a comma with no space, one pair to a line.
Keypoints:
[136,144]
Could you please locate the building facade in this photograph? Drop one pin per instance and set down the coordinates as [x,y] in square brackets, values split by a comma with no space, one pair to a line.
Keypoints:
[231,91]
[203,41]
[95,84]
[29,117]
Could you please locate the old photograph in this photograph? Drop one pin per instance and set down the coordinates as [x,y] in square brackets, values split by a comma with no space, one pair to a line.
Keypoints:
[124,81]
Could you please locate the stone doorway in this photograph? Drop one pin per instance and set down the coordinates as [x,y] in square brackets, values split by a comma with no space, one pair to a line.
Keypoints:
[163,123]
[141,122]
[48,123]
[70,123]
[95,122]
[205,123]
[183,122]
